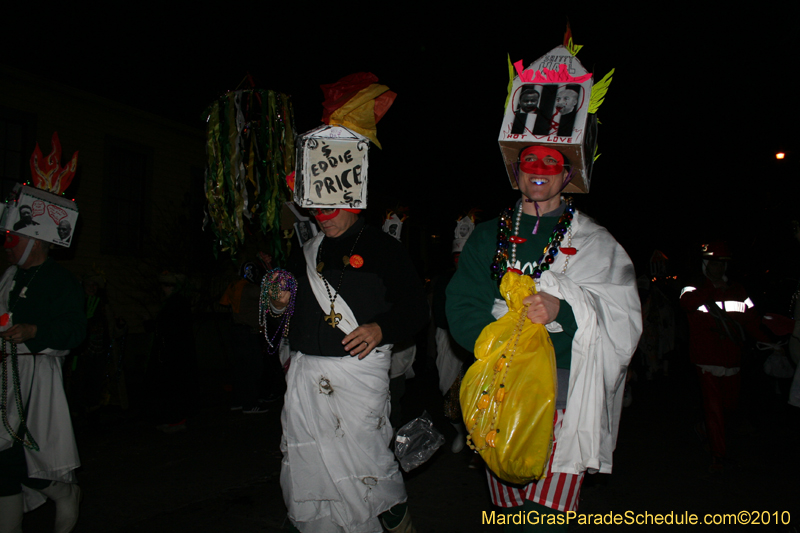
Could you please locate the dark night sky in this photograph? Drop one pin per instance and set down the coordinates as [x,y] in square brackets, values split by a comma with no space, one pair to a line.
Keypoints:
[699,103]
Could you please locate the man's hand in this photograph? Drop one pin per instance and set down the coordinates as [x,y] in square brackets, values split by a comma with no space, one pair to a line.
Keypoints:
[363,340]
[19,333]
[283,300]
[543,308]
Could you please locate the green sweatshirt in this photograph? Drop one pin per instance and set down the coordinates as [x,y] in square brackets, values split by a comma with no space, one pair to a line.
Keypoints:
[472,291]
[53,302]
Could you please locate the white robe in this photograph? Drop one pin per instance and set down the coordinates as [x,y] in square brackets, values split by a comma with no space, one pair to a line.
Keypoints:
[403,362]
[448,365]
[338,473]
[48,413]
[600,285]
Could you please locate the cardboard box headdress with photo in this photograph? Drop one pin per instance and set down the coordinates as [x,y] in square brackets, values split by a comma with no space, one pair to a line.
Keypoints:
[465,225]
[393,221]
[40,212]
[304,227]
[551,104]
[331,172]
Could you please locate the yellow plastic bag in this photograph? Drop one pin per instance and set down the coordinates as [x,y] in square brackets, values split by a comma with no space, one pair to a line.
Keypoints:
[508,395]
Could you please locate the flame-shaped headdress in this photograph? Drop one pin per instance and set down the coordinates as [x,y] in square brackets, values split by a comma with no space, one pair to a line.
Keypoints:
[47,172]
[41,212]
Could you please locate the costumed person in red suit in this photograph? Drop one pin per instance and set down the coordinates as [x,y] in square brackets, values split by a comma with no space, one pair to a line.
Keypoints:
[720,313]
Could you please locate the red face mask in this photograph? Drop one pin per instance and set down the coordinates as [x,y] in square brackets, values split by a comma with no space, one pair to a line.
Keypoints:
[549,162]
[326,214]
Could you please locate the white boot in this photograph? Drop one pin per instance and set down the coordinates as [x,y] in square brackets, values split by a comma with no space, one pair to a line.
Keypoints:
[460,439]
[11,514]
[67,497]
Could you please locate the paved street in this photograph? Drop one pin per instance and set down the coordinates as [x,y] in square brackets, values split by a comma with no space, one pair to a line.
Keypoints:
[221,474]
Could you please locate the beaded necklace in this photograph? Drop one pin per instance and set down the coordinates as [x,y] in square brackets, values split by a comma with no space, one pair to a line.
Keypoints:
[505,240]
[333,318]
[272,284]
[502,366]
[28,442]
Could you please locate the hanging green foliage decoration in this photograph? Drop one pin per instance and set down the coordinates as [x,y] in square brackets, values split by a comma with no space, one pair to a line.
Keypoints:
[250,150]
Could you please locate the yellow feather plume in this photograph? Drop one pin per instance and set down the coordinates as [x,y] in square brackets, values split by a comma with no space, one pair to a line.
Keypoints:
[510,80]
[599,92]
[573,48]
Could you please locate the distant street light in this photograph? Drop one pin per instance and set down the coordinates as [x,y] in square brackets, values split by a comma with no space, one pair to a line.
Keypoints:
[780,155]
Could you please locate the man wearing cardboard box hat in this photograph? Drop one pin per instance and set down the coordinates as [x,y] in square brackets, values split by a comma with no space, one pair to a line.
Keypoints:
[41,319]
[587,295]
[356,295]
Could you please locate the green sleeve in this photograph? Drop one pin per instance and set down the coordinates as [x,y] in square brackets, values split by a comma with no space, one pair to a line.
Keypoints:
[562,341]
[60,317]
[472,291]
[566,318]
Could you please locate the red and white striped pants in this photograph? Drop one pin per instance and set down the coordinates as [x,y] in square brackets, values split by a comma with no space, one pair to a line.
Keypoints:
[557,490]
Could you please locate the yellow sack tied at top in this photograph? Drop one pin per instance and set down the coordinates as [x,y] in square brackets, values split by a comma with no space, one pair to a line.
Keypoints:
[508,396]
